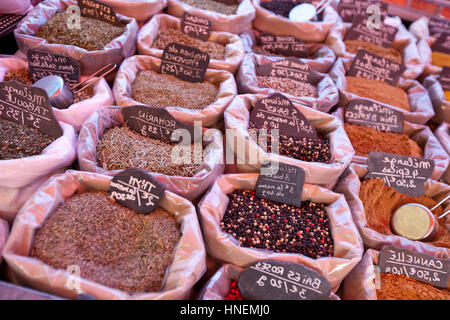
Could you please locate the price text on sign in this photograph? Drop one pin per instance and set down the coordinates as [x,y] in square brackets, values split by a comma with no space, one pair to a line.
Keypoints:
[184,62]
[438,26]
[284,183]
[136,190]
[374,115]
[278,280]
[360,31]
[196,26]
[404,173]
[42,64]
[442,44]
[444,78]
[28,106]
[347,9]
[372,66]
[419,266]
[98,10]
[283,45]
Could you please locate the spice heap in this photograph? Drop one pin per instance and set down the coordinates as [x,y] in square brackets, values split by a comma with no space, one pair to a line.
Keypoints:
[166,36]
[378,90]
[381,201]
[265,224]
[366,140]
[289,86]
[440,59]
[112,245]
[281,7]
[17,141]
[93,34]
[161,90]
[390,53]
[121,148]
[235,293]
[212,5]
[400,287]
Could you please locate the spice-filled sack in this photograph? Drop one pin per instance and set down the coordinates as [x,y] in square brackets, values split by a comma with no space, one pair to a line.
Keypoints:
[203,102]
[278,22]
[225,49]
[443,135]
[141,10]
[415,140]
[321,58]
[332,250]
[16,7]
[372,204]
[440,99]
[321,96]
[94,45]
[75,194]
[99,151]
[4,232]
[407,96]
[86,102]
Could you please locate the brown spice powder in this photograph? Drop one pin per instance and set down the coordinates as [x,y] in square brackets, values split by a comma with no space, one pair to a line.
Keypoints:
[440,59]
[289,86]
[212,5]
[390,53]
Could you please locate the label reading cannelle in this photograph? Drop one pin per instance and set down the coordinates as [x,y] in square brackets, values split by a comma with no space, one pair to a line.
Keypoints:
[415,265]
[438,26]
[348,9]
[283,45]
[196,26]
[360,31]
[278,280]
[184,62]
[372,66]
[444,78]
[405,174]
[98,10]
[28,106]
[442,44]
[374,115]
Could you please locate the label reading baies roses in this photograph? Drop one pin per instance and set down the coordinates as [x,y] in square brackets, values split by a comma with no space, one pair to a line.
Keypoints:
[438,26]
[136,190]
[196,26]
[278,112]
[184,62]
[360,31]
[374,115]
[348,9]
[372,66]
[99,11]
[278,280]
[442,44]
[42,64]
[405,174]
[444,78]
[418,266]
[281,183]
[283,45]
[28,106]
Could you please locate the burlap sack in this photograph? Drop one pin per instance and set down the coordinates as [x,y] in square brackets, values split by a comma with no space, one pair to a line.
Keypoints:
[16,7]
[141,10]
[404,42]
[347,243]
[19,178]
[443,135]
[234,23]
[77,113]
[247,83]
[189,188]
[419,100]
[91,61]
[437,96]
[237,118]
[4,232]
[218,287]
[311,31]
[321,59]
[234,49]
[427,141]
[187,267]
[209,116]
[349,185]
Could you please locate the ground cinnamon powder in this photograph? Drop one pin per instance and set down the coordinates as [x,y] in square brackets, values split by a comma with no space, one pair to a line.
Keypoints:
[379,91]
[440,59]
[390,53]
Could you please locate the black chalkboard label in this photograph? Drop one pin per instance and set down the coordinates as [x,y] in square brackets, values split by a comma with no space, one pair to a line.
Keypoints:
[98,10]
[372,66]
[184,62]
[444,78]
[196,26]
[278,112]
[279,280]
[283,45]
[405,174]
[374,115]
[28,106]
[348,9]
[136,190]
[281,183]
[415,265]
[442,44]
[42,64]
[360,31]
[438,26]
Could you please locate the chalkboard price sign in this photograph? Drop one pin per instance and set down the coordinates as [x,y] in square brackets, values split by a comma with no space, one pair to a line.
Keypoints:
[196,26]
[438,26]
[442,44]
[283,45]
[348,9]
[444,78]
[360,31]
[98,10]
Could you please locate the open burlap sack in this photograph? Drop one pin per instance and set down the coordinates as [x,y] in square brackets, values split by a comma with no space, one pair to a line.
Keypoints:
[77,113]
[328,94]
[4,232]
[437,96]
[310,31]
[427,141]
[237,119]
[187,267]
[347,243]
[234,49]
[234,23]
[91,61]
[419,100]
[141,10]
[209,116]
[443,135]
[187,187]
[16,7]
[349,185]
[321,56]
